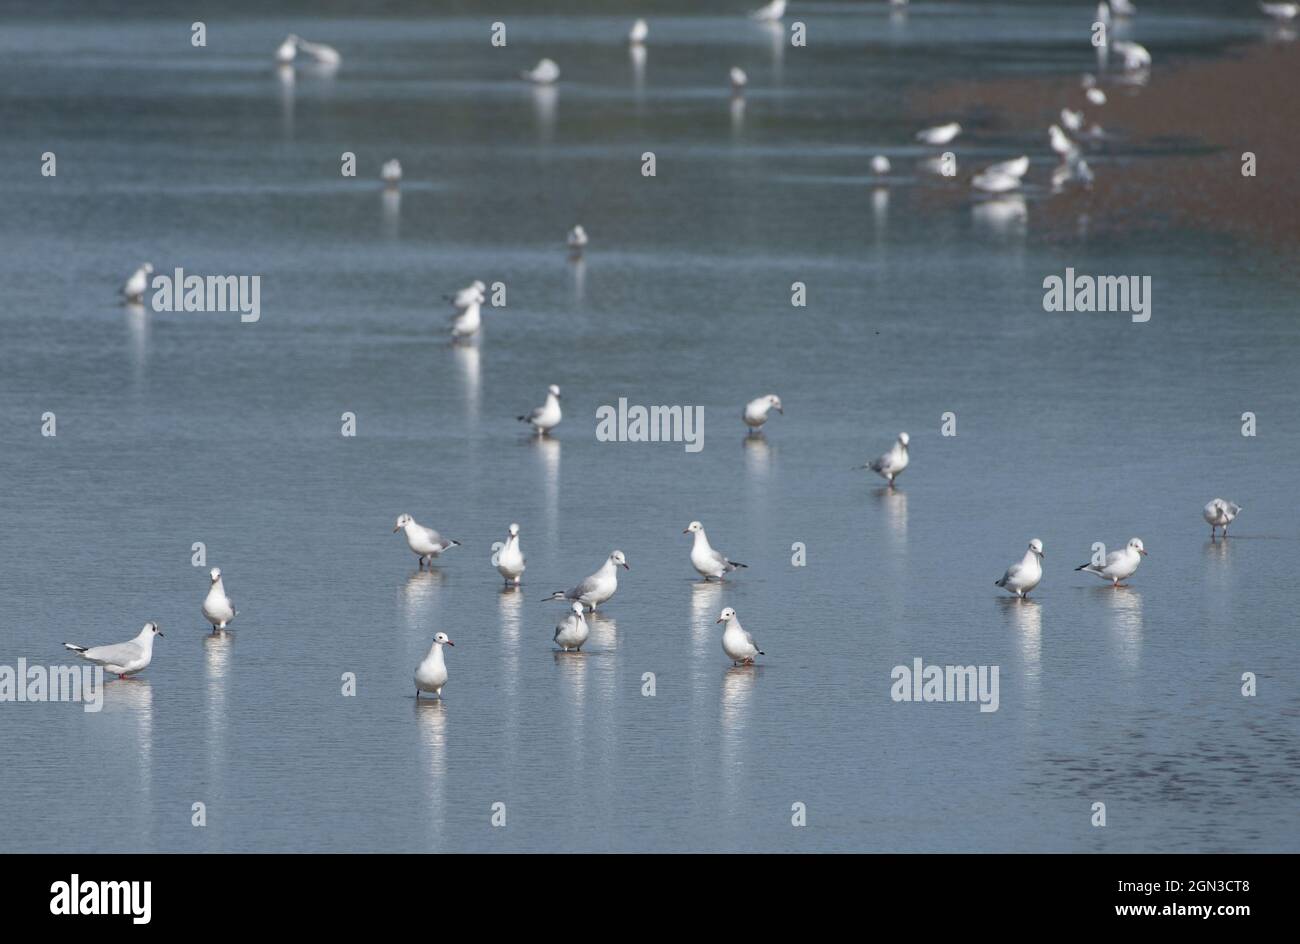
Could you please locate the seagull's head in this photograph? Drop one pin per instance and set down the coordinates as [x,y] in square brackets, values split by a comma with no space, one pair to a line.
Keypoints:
[774,402]
[478,285]
[693,528]
[148,267]
[904,439]
[153,629]
[514,530]
[292,38]
[402,521]
[727,614]
[618,558]
[577,608]
[215,574]
[554,391]
[1136,545]
[1036,546]
[442,640]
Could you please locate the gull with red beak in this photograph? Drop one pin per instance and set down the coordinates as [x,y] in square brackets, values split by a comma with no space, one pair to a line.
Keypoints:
[124,658]
[431,674]
[756,410]
[218,608]
[597,588]
[424,542]
[736,643]
[1120,564]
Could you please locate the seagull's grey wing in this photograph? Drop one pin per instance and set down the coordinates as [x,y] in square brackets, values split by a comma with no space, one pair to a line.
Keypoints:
[587,586]
[1113,558]
[750,637]
[719,557]
[433,535]
[117,654]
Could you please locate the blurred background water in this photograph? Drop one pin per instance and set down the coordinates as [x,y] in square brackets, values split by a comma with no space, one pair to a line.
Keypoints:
[182,427]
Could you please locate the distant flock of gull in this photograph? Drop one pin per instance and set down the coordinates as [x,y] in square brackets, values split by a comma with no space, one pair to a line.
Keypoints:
[127,658]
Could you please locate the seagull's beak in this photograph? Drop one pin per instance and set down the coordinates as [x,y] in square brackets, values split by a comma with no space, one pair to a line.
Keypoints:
[395,527]
[160,633]
[1042,553]
[627,566]
[717,621]
[686,530]
[1142,551]
[781,411]
[450,643]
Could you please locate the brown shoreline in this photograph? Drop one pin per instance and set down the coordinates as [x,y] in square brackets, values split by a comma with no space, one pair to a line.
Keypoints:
[1244,101]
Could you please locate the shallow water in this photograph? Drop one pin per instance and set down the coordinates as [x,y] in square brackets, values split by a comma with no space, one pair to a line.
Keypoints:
[175,428]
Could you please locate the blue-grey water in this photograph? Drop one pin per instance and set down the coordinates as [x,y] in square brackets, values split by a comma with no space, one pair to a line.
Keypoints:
[176,428]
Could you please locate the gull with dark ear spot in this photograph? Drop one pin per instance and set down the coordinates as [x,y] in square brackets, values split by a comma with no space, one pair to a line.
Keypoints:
[431,674]
[1025,574]
[707,561]
[1120,564]
[736,643]
[123,658]
[218,608]
[547,416]
[424,542]
[597,588]
[1220,513]
[756,410]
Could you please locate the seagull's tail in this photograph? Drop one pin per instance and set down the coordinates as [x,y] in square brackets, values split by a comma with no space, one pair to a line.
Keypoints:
[522,419]
[557,595]
[1086,566]
[1000,582]
[737,564]
[454,543]
[761,652]
[74,647]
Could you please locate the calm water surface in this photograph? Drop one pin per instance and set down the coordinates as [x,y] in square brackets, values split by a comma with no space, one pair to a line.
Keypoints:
[176,428]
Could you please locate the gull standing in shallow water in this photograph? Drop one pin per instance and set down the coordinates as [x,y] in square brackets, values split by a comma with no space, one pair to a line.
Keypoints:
[138,283]
[431,674]
[573,630]
[391,172]
[218,608]
[546,417]
[544,73]
[891,465]
[639,31]
[287,50]
[1025,574]
[577,240]
[1219,514]
[325,55]
[424,542]
[1119,564]
[940,134]
[738,80]
[755,414]
[123,658]
[597,588]
[510,559]
[704,558]
[736,643]
[468,318]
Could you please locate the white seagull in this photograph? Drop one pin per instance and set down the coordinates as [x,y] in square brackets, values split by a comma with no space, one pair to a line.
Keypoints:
[138,283]
[940,134]
[546,417]
[1219,514]
[465,296]
[639,31]
[1281,11]
[573,630]
[1123,8]
[544,73]
[577,238]
[391,172]
[423,542]
[1119,564]
[891,465]
[287,50]
[1096,96]
[736,643]
[1025,574]
[218,608]
[468,318]
[510,559]
[704,558]
[1061,142]
[738,79]
[1001,177]
[1135,54]
[123,658]
[880,164]
[1073,120]
[597,588]
[770,13]
[755,413]
[431,674]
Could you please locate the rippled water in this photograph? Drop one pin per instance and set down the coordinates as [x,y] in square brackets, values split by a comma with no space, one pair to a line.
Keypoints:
[177,428]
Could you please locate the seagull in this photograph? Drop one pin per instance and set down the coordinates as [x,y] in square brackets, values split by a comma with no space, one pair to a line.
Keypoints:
[1220,513]
[465,296]
[640,30]
[1135,54]
[755,414]
[738,79]
[704,558]
[391,172]
[597,588]
[424,542]
[1119,564]
[771,12]
[1016,167]
[573,630]
[1281,11]
[941,134]
[287,50]
[431,674]
[468,318]
[218,608]
[544,73]
[138,283]
[325,55]
[1096,96]
[1061,142]
[547,416]
[991,180]
[1073,120]
[123,658]
[892,463]
[880,164]
[1123,8]
[577,238]
[736,643]
[1025,574]
[510,559]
